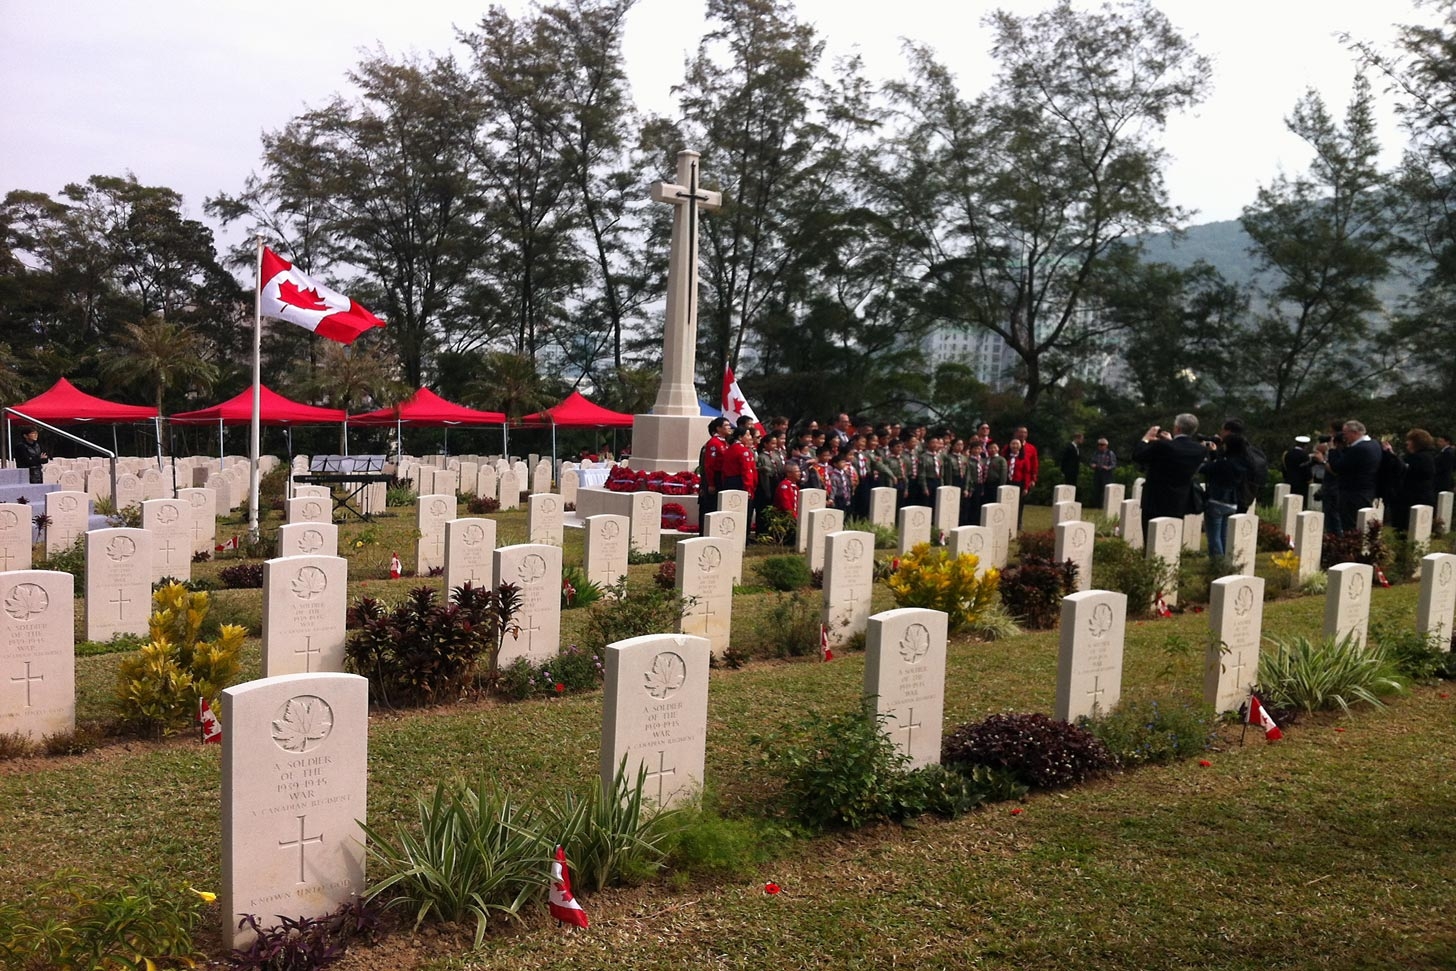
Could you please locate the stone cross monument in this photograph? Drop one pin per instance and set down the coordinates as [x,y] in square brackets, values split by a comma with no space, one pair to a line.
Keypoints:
[667,439]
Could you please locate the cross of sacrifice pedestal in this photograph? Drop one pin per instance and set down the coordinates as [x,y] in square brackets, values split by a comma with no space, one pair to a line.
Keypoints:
[308,651]
[659,774]
[27,680]
[908,727]
[302,843]
[121,601]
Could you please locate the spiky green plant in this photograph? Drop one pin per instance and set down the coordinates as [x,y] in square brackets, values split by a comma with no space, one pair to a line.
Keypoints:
[1320,674]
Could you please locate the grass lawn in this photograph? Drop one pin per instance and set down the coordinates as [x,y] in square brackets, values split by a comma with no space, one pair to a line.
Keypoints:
[1335,848]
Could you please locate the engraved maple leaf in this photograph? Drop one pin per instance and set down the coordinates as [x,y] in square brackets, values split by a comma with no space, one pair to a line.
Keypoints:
[309,299]
[532,568]
[915,644]
[8,519]
[303,721]
[1244,601]
[1101,620]
[667,674]
[26,600]
[309,583]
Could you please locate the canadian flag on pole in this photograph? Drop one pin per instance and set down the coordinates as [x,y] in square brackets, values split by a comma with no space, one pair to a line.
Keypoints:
[563,906]
[211,727]
[230,544]
[285,293]
[1258,716]
[734,405]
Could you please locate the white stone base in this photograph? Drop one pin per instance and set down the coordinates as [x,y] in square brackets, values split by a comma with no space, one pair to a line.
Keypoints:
[667,443]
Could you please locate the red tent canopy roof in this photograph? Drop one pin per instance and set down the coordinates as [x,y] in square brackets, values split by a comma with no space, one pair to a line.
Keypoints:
[427,408]
[577,412]
[64,403]
[273,409]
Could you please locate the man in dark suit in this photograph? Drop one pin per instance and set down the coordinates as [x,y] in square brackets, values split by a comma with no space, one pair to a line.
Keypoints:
[1071,461]
[1296,467]
[1445,465]
[1357,467]
[1171,462]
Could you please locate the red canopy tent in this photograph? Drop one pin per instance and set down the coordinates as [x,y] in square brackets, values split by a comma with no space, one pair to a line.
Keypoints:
[577,412]
[65,404]
[427,409]
[273,409]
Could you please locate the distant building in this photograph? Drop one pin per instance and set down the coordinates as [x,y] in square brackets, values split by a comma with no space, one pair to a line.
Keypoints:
[984,352]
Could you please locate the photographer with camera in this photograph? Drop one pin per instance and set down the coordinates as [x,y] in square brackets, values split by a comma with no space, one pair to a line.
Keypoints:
[1171,462]
[1226,473]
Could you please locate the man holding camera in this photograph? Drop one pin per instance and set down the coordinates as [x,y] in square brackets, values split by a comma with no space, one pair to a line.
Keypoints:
[1356,467]
[1171,462]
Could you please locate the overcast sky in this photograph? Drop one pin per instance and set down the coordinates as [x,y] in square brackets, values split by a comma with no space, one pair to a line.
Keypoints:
[178,91]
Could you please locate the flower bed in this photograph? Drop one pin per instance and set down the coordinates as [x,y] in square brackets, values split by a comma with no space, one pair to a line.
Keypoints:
[636,480]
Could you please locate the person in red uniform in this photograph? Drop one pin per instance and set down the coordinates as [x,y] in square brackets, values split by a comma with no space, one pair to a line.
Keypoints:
[740,462]
[786,496]
[710,460]
[1031,462]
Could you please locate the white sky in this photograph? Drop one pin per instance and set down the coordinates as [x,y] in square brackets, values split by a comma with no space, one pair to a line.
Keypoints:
[178,91]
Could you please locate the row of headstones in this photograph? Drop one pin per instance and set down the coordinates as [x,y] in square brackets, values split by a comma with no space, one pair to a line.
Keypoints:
[138,480]
[176,528]
[501,479]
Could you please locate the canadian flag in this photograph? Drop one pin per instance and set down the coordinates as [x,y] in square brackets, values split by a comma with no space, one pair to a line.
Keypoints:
[1258,716]
[824,650]
[734,405]
[230,544]
[563,906]
[211,727]
[285,293]
[395,568]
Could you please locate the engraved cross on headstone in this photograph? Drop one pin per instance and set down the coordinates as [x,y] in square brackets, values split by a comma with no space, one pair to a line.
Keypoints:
[308,651]
[167,550]
[28,679]
[531,628]
[676,394]
[5,558]
[1097,692]
[302,843]
[1237,668]
[660,773]
[909,726]
[121,601]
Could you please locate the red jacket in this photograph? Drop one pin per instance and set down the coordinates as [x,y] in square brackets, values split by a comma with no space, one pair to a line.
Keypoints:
[712,459]
[1033,463]
[740,460]
[786,497]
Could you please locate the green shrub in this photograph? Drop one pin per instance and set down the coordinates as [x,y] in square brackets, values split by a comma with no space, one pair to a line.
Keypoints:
[476,854]
[928,576]
[64,923]
[15,745]
[784,573]
[886,537]
[631,612]
[424,652]
[159,687]
[1041,752]
[1405,557]
[1315,675]
[705,844]
[305,943]
[937,790]
[993,624]
[1149,732]
[1117,566]
[1415,656]
[616,837]
[790,628]
[572,670]
[576,590]
[482,505]
[775,526]
[118,644]
[241,576]
[243,610]
[71,560]
[636,556]
[1039,545]
[77,741]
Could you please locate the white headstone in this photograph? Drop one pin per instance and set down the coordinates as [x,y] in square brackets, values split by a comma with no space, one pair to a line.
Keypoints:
[1066,512]
[308,539]
[821,522]
[1066,492]
[732,526]
[809,500]
[1281,489]
[704,581]
[37,653]
[567,483]
[1347,601]
[1193,531]
[536,569]
[294,794]
[1241,542]
[305,600]
[1419,527]
[1165,541]
[1444,503]
[128,491]
[152,485]
[849,581]
[735,500]
[647,521]
[424,477]
[469,544]
[974,541]
[947,508]
[1001,520]
[1309,538]
[204,518]
[882,506]
[605,557]
[303,490]
[1113,496]
[1089,663]
[1074,541]
[541,476]
[170,523]
[15,537]
[1236,612]
[655,714]
[509,490]
[71,480]
[1131,523]
[544,518]
[1289,509]
[432,512]
[486,485]
[118,582]
[1137,488]
[310,509]
[1010,497]
[905,674]
[68,513]
[1438,598]
[447,482]
[1313,497]
[915,524]
[1364,517]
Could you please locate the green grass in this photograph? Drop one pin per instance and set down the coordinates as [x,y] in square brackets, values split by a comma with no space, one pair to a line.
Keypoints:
[1335,848]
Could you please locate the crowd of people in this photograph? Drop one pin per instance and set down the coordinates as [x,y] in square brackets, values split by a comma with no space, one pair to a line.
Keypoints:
[1217,475]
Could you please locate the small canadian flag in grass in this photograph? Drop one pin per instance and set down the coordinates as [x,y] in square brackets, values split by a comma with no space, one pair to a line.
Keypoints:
[211,727]
[1258,716]
[824,650]
[560,901]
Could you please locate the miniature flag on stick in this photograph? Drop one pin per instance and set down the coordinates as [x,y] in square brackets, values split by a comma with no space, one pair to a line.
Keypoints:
[1161,606]
[211,727]
[1258,716]
[1380,577]
[230,544]
[395,569]
[563,906]
[824,650]
[286,293]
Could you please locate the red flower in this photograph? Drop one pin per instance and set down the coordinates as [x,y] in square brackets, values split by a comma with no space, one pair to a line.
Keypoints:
[1444,695]
[1339,729]
[771,887]
[1204,762]
[1017,811]
[560,688]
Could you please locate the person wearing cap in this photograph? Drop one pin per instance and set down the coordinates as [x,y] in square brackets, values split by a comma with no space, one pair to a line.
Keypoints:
[1296,467]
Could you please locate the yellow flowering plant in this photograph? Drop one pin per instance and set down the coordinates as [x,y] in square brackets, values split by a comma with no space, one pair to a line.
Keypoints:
[928,576]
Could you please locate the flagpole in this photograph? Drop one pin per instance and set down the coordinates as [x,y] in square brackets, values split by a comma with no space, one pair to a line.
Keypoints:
[257,394]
